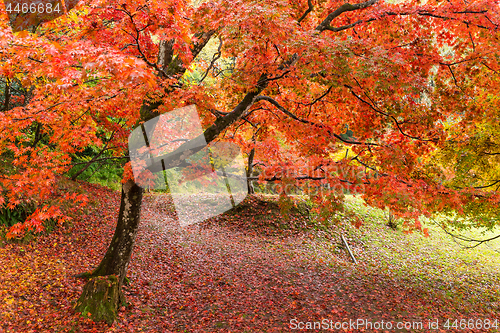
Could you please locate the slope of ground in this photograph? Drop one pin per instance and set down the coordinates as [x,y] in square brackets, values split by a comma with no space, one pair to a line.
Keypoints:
[226,275]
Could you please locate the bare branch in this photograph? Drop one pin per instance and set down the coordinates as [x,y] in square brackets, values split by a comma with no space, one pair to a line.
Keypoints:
[304,121]
[191,147]
[347,7]
[36,60]
[430,14]
[468,239]
[281,108]
[317,99]
[398,124]
[309,9]
[486,186]
[103,159]
[454,78]
[94,159]
[348,26]
[215,57]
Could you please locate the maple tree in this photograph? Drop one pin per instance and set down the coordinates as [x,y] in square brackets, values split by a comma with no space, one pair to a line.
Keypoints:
[406,82]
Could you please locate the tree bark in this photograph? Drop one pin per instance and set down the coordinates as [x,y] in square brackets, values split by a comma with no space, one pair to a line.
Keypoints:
[98,297]
[95,298]
[117,257]
[251,155]
[391,221]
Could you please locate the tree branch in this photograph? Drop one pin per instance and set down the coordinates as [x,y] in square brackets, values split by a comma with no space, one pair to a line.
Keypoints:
[467,239]
[348,26]
[396,122]
[304,121]
[347,7]
[430,14]
[94,159]
[175,158]
[309,9]
[102,159]
[215,57]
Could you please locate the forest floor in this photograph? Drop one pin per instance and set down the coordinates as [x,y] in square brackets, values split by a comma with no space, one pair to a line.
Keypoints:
[251,270]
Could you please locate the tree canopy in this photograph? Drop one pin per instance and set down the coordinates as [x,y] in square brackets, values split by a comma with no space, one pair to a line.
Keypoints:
[416,82]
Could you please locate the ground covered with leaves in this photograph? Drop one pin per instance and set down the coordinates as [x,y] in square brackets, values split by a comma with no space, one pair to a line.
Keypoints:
[248,270]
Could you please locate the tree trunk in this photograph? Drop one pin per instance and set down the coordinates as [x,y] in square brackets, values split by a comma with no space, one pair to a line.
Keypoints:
[391,222]
[101,297]
[250,171]
[102,293]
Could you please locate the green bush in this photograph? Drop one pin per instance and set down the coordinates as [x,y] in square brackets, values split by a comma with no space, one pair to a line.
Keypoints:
[18,214]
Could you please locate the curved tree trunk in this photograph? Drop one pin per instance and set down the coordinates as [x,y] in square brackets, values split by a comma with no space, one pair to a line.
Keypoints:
[103,292]
[102,296]
[117,257]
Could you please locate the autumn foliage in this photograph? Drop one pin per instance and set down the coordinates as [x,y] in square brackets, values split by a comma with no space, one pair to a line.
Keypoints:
[410,80]
[396,98]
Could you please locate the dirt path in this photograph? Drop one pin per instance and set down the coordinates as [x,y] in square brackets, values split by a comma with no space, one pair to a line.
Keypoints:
[205,279]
